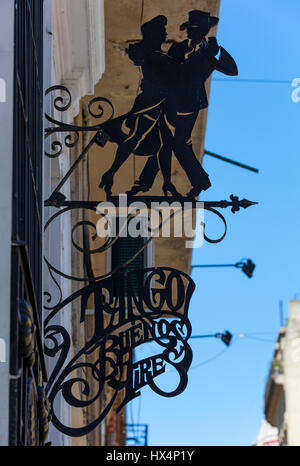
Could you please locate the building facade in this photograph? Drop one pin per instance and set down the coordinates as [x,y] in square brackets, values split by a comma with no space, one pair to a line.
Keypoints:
[282,389]
[79,44]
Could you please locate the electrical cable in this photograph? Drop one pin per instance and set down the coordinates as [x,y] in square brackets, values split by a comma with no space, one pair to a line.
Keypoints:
[258,81]
[216,356]
[207,361]
[238,337]
[260,333]
[264,340]
[235,339]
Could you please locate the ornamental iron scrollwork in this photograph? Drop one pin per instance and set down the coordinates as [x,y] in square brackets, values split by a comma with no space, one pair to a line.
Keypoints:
[27,343]
[62,103]
[161,120]
[106,243]
[43,413]
[131,308]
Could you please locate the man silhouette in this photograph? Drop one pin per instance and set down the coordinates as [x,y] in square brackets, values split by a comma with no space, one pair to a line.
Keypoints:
[187,96]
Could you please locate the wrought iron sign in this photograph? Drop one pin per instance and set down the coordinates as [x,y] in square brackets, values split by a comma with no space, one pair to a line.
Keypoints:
[134,307]
[134,317]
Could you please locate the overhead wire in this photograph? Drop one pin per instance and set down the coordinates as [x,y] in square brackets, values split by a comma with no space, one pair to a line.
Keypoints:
[239,336]
[216,356]
[257,338]
[250,335]
[250,80]
[260,333]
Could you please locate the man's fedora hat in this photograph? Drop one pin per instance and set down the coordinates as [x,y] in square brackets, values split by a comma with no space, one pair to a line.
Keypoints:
[155,23]
[199,18]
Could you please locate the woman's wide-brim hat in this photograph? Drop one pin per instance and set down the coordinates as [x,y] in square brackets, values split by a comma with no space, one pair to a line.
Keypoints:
[198,18]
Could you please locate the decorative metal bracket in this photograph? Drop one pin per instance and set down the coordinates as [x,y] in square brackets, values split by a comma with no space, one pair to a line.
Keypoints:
[140,306]
[131,308]
[61,104]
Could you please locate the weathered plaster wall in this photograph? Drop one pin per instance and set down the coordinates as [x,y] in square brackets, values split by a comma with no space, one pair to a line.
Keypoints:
[120,84]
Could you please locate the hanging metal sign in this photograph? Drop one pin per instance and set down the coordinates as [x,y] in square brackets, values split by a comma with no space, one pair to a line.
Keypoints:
[164,113]
[163,116]
[133,308]
[130,310]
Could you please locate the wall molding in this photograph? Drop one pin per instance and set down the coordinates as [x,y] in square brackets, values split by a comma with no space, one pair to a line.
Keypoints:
[79,46]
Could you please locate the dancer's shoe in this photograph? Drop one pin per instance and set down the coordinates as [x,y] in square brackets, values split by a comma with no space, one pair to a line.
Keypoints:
[193,193]
[169,187]
[106,183]
[137,188]
[196,190]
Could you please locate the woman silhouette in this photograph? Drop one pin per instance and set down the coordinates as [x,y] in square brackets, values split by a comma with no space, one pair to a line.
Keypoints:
[186,97]
[144,121]
[164,113]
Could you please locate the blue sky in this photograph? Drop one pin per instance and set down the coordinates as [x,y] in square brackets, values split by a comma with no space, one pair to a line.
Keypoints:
[257,124]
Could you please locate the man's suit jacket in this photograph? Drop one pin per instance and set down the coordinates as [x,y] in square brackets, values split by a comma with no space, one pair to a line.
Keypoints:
[189,93]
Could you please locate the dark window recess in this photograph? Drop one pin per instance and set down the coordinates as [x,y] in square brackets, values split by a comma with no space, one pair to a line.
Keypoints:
[29,417]
[28,135]
[123,250]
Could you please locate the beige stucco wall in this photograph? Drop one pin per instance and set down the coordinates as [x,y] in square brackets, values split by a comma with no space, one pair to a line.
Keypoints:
[120,84]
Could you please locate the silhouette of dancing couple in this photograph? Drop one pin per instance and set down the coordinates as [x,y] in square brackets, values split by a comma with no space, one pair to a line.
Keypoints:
[173,92]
